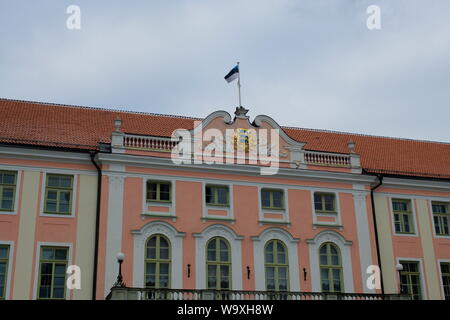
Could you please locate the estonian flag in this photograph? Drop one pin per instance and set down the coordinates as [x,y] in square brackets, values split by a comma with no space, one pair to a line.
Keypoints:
[233,74]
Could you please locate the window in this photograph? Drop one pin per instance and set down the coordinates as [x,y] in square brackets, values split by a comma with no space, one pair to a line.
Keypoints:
[276,265]
[7,190]
[330,268]
[159,191]
[218,264]
[4,255]
[441,216]
[445,270]
[410,280]
[272,199]
[217,195]
[403,217]
[157,262]
[58,194]
[52,273]
[325,202]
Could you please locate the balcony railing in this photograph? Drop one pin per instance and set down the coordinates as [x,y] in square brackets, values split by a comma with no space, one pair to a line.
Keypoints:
[148,143]
[164,144]
[119,293]
[327,159]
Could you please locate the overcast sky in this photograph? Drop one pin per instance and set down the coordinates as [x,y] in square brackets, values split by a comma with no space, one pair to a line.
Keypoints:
[306,63]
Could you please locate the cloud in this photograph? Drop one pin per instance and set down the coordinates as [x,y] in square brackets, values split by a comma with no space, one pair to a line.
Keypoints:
[305,63]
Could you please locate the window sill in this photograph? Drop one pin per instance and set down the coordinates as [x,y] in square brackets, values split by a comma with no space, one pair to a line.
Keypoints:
[159,202]
[209,218]
[273,209]
[223,206]
[287,223]
[153,215]
[57,215]
[328,225]
[326,212]
[6,212]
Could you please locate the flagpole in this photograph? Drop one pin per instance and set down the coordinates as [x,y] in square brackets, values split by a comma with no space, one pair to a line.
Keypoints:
[239,84]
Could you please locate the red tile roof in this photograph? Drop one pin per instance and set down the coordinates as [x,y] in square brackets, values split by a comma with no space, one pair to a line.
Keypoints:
[44,124]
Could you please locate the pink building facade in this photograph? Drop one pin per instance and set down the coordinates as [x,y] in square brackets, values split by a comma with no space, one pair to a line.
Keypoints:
[317,221]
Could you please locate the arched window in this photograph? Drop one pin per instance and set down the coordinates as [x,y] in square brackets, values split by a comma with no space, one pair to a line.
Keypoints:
[276,265]
[157,262]
[218,264]
[330,268]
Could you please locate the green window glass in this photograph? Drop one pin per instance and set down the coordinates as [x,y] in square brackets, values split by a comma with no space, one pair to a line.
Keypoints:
[330,268]
[217,195]
[325,202]
[7,190]
[272,199]
[52,272]
[159,191]
[403,216]
[218,264]
[410,280]
[441,217]
[4,257]
[445,270]
[157,262]
[58,194]
[276,266]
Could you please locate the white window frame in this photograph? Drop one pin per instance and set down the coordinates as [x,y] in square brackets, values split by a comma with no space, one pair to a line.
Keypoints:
[17,192]
[413,213]
[10,264]
[38,247]
[76,177]
[171,213]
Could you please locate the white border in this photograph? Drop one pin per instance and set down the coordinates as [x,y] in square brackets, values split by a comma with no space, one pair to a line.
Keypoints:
[424,289]
[38,258]
[439,261]
[176,252]
[259,243]
[171,205]
[337,215]
[16,191]
[73,214]
[414,215]
[206,207]
[10,262]
[430,210]
[284,212]
[346,257]
[235,241]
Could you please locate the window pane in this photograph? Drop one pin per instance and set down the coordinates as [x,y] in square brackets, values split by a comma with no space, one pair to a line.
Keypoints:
[60,269]
[8,178]
[164,268]
[3,252]
[151,191]
[329,202]
[265,198]
[151,252]
[318,202]
[277,199]
[164,253]
[150,268]
[53,181]
[65,181]
[48,254]
[52,195]
[209,195]
[223,195]
[224,255]
[325,280]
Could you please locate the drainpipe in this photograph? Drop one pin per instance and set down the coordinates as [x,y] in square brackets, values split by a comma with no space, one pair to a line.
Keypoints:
[380,182]
[97,221]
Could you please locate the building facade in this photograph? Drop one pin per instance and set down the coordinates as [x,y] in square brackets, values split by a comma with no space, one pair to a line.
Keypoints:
[284,210]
